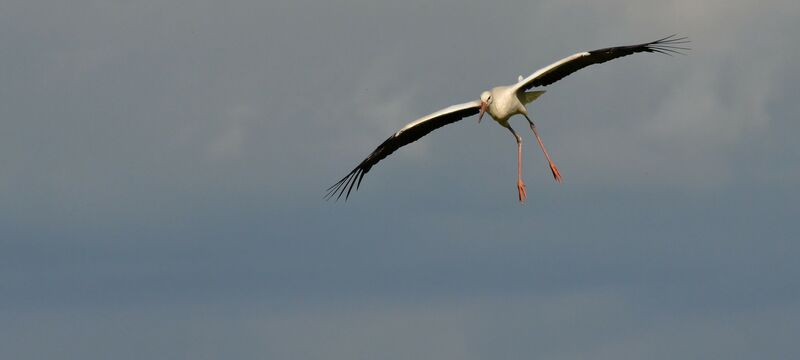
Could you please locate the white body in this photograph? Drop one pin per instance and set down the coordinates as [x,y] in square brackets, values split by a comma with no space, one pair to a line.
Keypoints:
[505,104]
[507,101]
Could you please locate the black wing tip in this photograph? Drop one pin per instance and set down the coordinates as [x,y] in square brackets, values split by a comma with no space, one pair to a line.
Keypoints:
[336,191]
[668,45]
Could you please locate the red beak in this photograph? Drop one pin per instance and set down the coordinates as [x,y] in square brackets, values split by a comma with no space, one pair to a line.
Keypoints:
[484,105]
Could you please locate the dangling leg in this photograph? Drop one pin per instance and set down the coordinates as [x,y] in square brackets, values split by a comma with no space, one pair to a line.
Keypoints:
[553,168]
[520,185]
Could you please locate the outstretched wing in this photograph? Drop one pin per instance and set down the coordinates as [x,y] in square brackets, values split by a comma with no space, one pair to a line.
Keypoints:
[566,66]
[408,134]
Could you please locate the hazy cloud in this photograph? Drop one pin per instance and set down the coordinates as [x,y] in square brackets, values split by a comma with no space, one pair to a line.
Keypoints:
[162,166]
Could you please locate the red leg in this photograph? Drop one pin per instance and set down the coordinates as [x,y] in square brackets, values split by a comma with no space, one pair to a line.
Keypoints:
[520,185]
[553,168]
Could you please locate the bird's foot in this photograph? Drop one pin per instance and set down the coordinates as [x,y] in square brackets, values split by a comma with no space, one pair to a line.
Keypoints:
[522,192]
[556,174]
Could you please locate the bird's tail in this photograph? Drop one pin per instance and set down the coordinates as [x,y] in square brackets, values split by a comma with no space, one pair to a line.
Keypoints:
[529,96]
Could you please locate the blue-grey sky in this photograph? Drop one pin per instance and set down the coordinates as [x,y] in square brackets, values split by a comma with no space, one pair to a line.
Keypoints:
[162,167]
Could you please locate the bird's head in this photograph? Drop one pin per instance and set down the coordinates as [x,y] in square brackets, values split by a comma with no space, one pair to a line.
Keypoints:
[486,100]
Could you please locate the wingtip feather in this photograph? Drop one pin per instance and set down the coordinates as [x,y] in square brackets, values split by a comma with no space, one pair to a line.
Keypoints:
[668,45]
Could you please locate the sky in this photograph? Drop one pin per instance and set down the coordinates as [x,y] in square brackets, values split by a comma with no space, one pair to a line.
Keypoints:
[163,166]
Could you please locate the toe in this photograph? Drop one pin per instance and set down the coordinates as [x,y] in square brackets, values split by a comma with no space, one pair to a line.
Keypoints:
[556,174]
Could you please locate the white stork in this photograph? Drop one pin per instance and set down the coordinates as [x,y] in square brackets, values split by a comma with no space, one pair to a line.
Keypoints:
[501,103]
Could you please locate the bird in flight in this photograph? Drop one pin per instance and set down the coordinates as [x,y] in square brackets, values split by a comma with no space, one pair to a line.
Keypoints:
[502,103]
